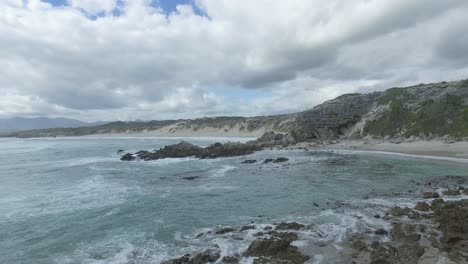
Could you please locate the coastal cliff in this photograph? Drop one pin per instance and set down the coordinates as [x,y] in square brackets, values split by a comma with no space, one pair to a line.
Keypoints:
[424,111]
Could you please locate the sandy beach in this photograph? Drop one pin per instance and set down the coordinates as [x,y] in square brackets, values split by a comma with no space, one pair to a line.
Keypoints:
[436,149]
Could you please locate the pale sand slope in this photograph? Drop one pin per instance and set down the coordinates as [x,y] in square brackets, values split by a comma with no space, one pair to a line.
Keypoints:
[205,132]
[458,150]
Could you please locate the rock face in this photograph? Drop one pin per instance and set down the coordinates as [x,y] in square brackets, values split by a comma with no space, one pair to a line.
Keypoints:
[334,118]
[185,149]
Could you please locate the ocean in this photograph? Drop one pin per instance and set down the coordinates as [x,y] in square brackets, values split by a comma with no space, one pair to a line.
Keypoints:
[71,200]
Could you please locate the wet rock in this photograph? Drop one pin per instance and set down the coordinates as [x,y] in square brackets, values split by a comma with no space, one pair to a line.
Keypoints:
[316,204]
[436,203]
[289,226]
[381,232]
[208,256]
[191,178]
[268,228]
[358,245]
[398,211]
[276,250]
[127,157]
[451,218]
[465,191]
[225,231]
[288,236]
[247,227]
[280,159]
[249,161]
[422,206]
[266,161]
[430,195]
[185,149]
[230,260]
[182,260]
[120,151]
[451,192]
[377,216]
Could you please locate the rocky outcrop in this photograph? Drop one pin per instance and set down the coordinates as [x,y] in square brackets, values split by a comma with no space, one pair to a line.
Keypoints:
[185,149]
[332,119]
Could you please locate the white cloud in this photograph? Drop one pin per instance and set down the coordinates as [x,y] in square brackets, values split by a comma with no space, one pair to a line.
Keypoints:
[94,7]
[147,64]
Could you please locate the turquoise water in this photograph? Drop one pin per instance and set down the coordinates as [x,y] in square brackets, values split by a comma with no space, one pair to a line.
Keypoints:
[73,201]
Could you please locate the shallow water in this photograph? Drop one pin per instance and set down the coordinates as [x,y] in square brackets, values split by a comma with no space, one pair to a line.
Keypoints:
[73,201]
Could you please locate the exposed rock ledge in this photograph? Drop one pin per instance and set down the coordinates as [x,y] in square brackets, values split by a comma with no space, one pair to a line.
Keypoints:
[185,149]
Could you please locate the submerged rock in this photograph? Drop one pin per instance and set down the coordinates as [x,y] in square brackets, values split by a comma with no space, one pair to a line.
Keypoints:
[430,195]
[128,157]
[249,161]
[230,260]
[289,226]
[191,178]
[266,161]
[210,255]
[451,192]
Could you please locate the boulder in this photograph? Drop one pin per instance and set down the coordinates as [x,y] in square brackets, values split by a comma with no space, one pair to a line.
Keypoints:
[230,260]
[430,195]
[249,161]
[208,256]
[128,157]
[275,250]
[381,232]
[422,206]
[280,159]
[289,226]
[266,161]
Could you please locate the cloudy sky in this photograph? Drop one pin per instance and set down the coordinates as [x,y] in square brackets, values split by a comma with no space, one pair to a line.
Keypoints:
[163,59]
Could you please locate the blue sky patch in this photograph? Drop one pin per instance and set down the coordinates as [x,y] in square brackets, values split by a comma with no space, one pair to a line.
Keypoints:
[168,6]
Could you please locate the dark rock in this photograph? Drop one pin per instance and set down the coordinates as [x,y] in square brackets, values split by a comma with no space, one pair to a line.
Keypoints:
[276,249]
[381,232]
[268,228]
[182,260]
[436,202]
[451,217]
[208,256]
[191,178]
[225,231]
[430,195]
[316,204]
[422,206]
[185,149]
[289,226]
[128,157]
[249,161]
[266,161]
[230,260]
[377,216]
[280,159]
[120,151]
[288,236]
[247,227]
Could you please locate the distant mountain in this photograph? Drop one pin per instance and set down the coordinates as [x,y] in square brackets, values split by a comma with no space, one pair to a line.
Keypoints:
[22,123]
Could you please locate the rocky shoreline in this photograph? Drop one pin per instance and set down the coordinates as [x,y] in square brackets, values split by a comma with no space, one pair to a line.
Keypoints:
[434,230]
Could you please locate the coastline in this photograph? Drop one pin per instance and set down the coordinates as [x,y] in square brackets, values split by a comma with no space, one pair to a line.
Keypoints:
[457,151]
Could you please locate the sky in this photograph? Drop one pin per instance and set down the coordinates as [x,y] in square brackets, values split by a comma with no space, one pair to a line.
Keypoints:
[152,60]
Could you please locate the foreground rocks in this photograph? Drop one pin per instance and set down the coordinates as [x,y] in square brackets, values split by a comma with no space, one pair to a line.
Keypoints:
[185,149]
